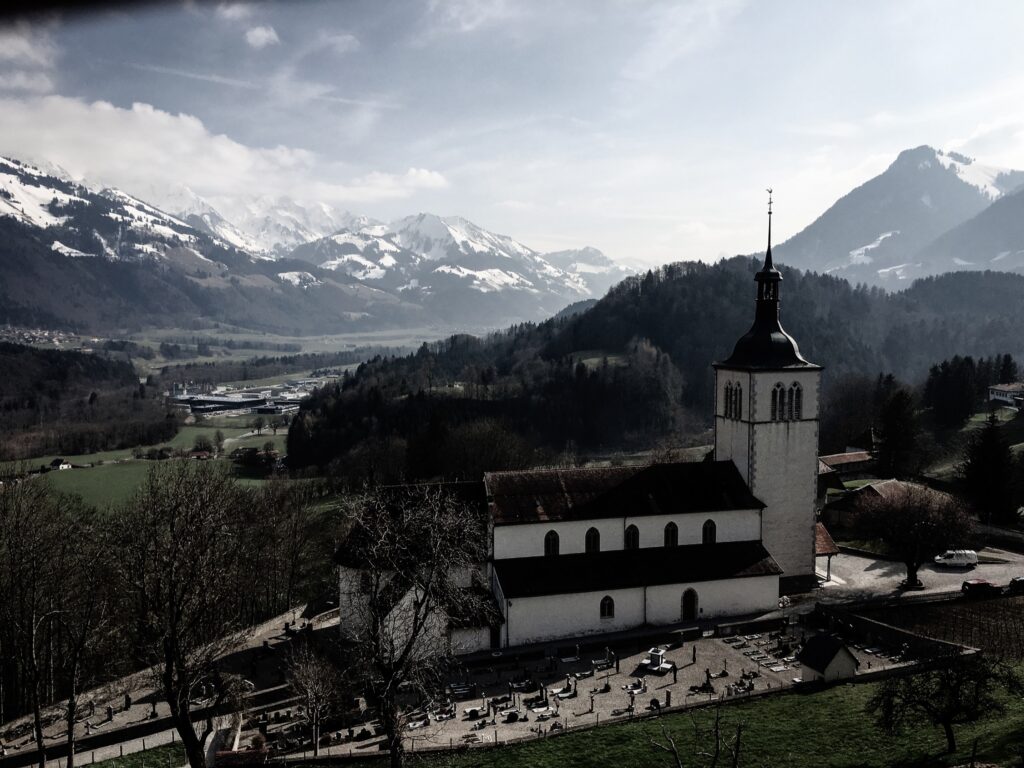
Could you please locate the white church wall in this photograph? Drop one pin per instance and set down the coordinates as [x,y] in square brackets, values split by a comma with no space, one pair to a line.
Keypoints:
[730,525]
[527,540]
[551,617]
[727,597]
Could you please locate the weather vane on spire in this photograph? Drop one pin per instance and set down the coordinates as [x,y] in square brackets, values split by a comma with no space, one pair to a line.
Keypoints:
[769,191]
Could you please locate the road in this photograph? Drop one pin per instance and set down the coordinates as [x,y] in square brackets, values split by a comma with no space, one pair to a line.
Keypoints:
[855,577]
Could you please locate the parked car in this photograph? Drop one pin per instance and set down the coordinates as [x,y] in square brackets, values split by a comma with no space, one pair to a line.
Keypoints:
[1016,586]
[980,588]
[957,558]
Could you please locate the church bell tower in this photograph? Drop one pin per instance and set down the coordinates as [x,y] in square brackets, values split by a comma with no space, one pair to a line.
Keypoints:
[766,421]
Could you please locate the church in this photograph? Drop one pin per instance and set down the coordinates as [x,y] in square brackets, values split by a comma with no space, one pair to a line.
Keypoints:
[573,552]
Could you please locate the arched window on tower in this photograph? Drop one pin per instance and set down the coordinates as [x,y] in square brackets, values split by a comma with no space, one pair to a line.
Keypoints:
[551,544]
[671,535]
[607,607]
[798,401]
[728,400]
[778,402]
[632,538]
[789,404]
[593,540]
[709,533]
[737,412]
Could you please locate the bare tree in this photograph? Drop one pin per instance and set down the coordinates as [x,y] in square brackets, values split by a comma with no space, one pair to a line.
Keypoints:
[314,679]
[959,691]
[915,522]
[408,566]
[36,554]
[711,747]
[180,543]
[86,619]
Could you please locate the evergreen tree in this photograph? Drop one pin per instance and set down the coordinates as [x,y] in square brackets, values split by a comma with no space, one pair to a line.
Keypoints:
[899,454]
[987,475]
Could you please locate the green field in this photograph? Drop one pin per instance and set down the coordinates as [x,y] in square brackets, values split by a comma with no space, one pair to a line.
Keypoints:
[102,486]
[793,730]
[167,756]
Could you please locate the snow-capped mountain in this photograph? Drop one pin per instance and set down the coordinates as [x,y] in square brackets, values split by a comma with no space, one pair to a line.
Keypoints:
[454,267]
[597,272]
[878,233]
[101,259]
[71,254]
[198,212]
[277,225]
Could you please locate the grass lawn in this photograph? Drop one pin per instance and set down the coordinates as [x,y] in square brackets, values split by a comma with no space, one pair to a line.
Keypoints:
[167,756]
[796,730]
[103,486]
[187,435]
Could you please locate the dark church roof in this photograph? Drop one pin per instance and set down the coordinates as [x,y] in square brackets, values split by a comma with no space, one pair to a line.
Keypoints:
[629,568]
[579,494]
[766,345]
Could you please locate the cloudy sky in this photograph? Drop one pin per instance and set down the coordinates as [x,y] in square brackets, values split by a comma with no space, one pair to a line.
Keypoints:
[646,129]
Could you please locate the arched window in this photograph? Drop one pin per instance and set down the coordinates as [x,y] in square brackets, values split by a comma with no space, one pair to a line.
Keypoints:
[632,538]
[551,544]
[798,402]
[789,404]
[671,535]
[607,607]
[778,402]
[737,410]
[728,400]
[709,533]
[593,540]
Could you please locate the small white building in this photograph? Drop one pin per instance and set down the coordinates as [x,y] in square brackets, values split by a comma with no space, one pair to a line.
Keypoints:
[1007,394]
[825,657]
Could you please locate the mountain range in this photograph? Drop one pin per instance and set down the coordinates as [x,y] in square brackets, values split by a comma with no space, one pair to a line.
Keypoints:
[97,259]
[100,259]
[928,213]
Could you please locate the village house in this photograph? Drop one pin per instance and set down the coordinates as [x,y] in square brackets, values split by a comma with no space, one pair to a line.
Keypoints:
[826,658]
[1007,394]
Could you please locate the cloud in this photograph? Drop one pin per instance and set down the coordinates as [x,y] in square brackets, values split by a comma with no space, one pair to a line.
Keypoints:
[261,37]
[677,29]
[145,150]
[234,11]
[202,76]
[28,56]
[340,43]
[32,82]
[469,15]
[27,45]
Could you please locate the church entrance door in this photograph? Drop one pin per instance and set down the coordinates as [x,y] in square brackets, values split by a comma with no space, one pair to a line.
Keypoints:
[690,605]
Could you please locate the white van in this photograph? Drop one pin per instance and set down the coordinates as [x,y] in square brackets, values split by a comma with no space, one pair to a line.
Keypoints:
[957,558]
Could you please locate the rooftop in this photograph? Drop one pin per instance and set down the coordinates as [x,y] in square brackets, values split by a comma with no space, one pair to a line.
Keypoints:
[630,568]
[542,495]
[839,459]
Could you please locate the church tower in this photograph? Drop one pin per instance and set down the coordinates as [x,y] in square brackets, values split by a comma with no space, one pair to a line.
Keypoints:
[766,421]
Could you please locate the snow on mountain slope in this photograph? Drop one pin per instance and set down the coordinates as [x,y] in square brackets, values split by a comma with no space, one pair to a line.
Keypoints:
[26,194]
[437,238]
[198,212]
[277,225]
[991,180]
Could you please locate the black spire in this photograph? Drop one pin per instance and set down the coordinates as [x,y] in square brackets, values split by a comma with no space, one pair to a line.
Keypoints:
[766,344]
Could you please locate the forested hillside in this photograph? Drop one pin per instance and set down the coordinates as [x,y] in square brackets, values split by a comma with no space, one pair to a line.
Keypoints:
[55,401]
[636,368]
